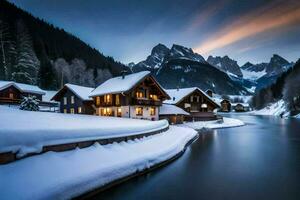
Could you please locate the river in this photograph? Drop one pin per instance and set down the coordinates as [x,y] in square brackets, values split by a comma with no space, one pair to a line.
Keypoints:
[258,161]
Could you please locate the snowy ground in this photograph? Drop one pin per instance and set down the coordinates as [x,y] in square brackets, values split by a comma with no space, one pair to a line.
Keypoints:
[25,131]
[274,109]
[68,174]
[227,122]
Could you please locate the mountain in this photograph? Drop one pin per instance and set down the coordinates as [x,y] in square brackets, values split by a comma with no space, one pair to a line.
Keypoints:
[264,74]
[225,64]
[179,66]
[36,52]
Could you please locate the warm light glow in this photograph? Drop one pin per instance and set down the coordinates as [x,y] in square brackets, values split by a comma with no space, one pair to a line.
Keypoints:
[139,111]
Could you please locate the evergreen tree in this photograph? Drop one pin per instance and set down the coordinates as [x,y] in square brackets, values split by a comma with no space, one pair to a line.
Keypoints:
[27,64]
[4,44]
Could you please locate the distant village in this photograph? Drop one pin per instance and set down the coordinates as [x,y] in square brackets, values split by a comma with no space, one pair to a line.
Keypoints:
[137,96]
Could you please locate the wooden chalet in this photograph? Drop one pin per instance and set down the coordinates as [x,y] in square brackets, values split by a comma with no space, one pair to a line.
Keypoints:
[12,92]
[241,107]
[225,105]
[197,103]
[75,99]
[136,95]
[172,113]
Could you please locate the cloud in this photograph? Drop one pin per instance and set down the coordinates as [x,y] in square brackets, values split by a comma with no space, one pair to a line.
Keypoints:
[272,16]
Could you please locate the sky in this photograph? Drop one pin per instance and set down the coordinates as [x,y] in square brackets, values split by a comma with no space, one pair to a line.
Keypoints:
[245,30]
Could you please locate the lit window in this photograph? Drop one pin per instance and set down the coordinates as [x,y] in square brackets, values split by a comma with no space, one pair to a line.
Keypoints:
[117,99]
[107,98]
[139,94]
[72,111]
[79,110]
[72,100]
[65,110]
[11,95]
[153,97]
[139,111]
[119,112]
[97,101]
[106,112]
[152,111]
[65,100]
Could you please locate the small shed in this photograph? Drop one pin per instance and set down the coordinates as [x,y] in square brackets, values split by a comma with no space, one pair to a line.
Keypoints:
[225,105]
[172,113]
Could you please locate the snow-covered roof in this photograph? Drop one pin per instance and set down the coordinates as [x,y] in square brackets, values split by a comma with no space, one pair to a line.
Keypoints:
[22,87]
[81,91]
[243,104]
[119,84]
[178,94]
[169,109]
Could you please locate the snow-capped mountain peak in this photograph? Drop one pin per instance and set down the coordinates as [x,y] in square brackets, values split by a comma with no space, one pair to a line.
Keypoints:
[226,65]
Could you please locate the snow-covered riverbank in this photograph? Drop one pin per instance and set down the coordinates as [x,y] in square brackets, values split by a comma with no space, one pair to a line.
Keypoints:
[275,109]
[27,132]
[68,174]
[226,123]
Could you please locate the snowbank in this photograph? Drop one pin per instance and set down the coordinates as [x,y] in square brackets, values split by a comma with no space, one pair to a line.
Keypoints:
[274,109]
[227,122]
[25,132]
[68,174]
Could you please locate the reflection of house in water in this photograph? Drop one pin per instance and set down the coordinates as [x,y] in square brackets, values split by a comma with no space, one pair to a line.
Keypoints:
[194,101]
[225,105]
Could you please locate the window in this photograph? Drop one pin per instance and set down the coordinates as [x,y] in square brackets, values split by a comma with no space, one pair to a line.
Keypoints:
[107,98]
[191,98]
[117,99]
[139,94]
[97,101]
[72,111]
[106,112]
[152,111]
[153,97]
[65,100]
[119,112]
[65,110]
[139,111]
[72,100]
[79,110]
[11,95]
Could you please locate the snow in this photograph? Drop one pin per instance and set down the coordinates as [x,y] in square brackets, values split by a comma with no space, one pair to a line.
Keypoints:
[227,122]
[118,84]
[178,94]
[252,75]
[168,109]
[48,96]
[275,109]
[26,132]
[22,87]
[81,91]
[68,174]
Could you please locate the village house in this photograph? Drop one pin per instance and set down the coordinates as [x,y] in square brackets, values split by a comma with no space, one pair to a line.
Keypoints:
[136,95]
[172,113]
[241,107]
[12,92]
[197,103]
[225,105]
[75,99]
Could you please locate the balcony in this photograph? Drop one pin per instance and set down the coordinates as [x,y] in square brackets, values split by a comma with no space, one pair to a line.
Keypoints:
[146,102]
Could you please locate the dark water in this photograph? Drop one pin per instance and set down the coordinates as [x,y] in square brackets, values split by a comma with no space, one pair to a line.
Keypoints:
[258,161]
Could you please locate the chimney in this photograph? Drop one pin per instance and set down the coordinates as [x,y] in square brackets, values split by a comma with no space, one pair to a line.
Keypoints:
[123,72]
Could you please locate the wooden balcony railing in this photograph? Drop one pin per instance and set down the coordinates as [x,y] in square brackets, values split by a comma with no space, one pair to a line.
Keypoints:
[148,102]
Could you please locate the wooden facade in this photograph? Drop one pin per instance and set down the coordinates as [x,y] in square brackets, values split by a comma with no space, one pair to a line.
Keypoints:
[173,119]
[71,102]
[225,106]
[141,101]
[241,107]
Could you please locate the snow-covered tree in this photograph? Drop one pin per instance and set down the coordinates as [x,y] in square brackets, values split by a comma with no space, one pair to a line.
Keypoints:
[27,64]
[30,103]
[4,44]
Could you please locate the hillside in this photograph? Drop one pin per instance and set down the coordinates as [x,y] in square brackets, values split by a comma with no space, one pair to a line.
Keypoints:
[35,52]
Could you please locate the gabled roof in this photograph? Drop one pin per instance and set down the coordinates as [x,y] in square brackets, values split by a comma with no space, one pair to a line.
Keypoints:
[22,87]
[178,95]
[121,85]
[80,91]
[168,109]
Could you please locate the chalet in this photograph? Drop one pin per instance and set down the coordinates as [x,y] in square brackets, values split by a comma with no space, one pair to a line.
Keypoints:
[225,105]
[197,103]
[136,95]
[172,113]
[12,92]
[75,99]
[241,107]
